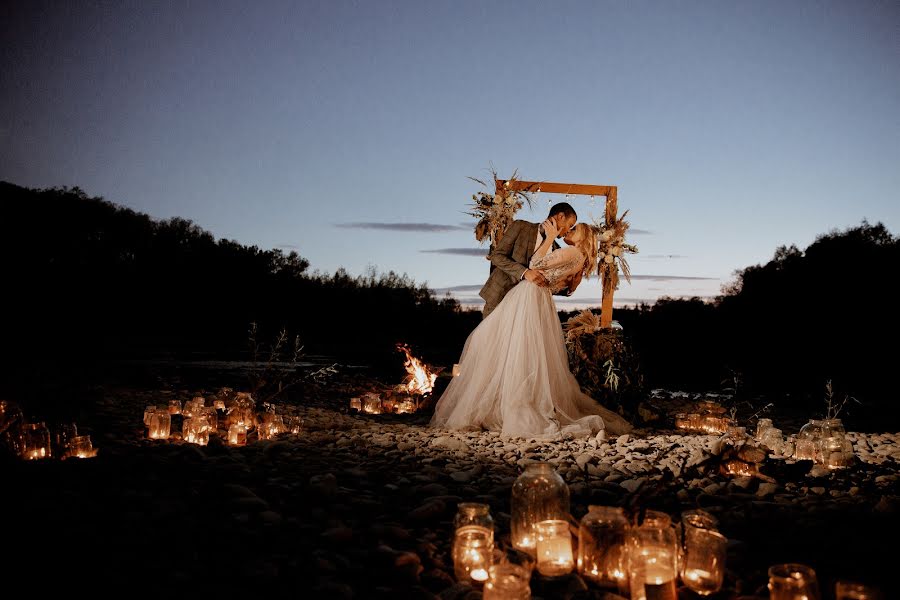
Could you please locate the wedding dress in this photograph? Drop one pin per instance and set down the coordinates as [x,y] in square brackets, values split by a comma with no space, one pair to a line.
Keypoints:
[514,373]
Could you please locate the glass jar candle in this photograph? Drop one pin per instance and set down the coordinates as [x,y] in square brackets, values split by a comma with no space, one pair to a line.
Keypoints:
[160,425]
[850,590]
[601,547]
[773,440]
[371,403]
[808,439]
[761,426]
[473,549]
[237,434]
[652,556]
[554,548]
[835,450]
[704,560]
[211,416]
[81,447]
[36,438]
[62,439]
[507,582]
[793,581]
[538,494]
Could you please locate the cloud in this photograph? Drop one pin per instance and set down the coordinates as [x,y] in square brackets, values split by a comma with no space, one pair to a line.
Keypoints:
[481,252]
[662,256]
[672,278]
[632,231]
[402,227]
[288,246]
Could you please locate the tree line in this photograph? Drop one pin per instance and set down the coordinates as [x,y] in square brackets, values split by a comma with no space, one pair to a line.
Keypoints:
[86,279]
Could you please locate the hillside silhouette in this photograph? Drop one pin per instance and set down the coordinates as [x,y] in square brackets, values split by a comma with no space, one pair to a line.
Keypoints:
[87,280]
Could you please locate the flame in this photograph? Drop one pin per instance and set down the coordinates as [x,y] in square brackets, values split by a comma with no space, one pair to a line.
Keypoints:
[740,468]
[419,379]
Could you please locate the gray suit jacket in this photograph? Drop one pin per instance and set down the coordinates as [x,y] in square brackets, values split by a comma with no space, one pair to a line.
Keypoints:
[509,261]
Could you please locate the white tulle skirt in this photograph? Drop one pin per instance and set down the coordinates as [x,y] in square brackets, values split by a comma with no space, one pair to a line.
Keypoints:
[515,378]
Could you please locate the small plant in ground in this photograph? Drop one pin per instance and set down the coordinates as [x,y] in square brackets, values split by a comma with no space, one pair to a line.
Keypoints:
[277,368]
[833,408]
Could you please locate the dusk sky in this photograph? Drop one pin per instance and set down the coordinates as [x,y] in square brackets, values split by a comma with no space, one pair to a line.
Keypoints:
[347,130]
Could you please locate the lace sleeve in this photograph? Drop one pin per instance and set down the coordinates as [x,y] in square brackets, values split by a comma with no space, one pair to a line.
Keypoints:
[559,265]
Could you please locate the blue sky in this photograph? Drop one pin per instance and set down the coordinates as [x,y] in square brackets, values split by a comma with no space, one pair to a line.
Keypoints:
[333,128]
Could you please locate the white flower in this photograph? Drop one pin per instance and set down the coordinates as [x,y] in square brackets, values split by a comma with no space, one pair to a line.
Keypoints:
[616,251]
[608,259]
[606,235]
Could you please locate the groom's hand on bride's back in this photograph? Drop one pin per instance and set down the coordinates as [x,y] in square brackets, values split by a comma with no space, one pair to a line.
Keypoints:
[536,277]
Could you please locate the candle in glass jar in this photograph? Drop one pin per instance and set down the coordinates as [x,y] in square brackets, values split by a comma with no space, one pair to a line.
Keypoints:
[160,425]
[507,582]
[473,547]
[237,434]
[792,581]
[81,447]
[554,548]
[700,581]
[849,590]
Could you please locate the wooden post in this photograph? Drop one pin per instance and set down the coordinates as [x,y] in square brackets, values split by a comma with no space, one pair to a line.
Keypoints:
[606,306]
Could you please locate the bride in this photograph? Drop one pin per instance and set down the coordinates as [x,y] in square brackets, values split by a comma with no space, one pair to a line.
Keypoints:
[514,373]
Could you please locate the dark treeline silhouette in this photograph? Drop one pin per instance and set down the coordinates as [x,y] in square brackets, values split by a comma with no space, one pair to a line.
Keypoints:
[85,280]
[784,329]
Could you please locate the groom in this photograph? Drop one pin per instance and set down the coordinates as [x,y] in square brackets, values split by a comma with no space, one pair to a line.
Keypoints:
[510,259]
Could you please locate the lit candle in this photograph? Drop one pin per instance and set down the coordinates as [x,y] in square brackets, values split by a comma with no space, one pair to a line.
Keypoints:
[237,434]
[160,425]
[473,547]
[792,581]
[660,582]
[456,370]
[554,548]
[35,441]
[372,404]
[507,582]
[355,404]
[81,447]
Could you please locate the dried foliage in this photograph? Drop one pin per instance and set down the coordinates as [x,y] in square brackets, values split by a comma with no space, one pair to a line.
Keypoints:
[496,211]
[833,408]
[584,322]
[612,250]
[277,368]
[604,364]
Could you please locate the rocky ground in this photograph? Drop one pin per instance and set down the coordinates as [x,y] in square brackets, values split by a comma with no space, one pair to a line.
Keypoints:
[361,506]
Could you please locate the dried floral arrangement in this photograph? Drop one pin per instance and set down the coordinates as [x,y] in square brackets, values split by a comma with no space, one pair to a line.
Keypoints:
[612,250]
[496,211]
